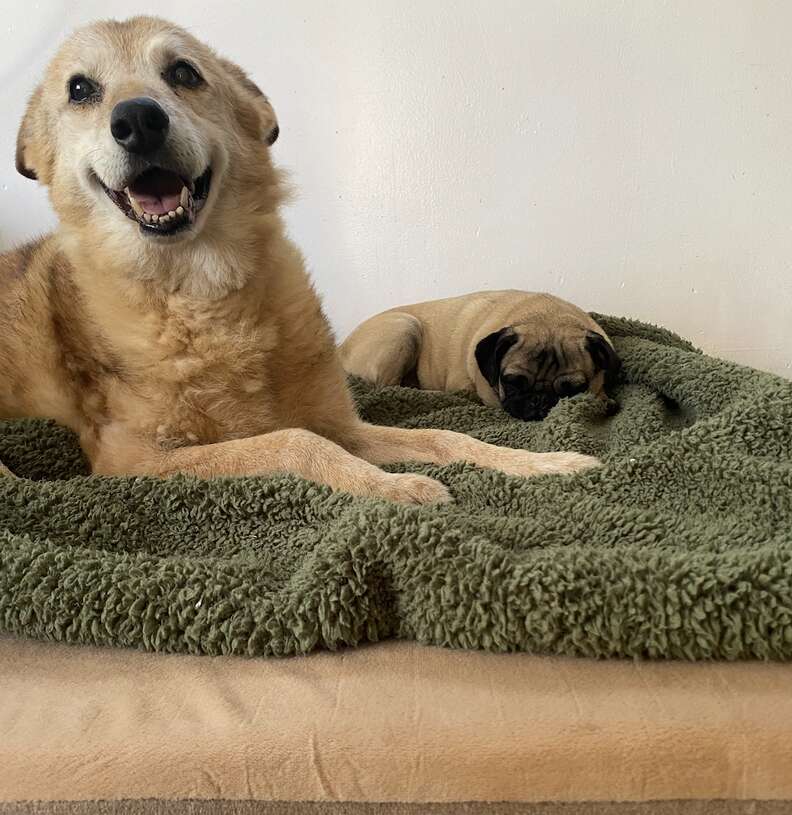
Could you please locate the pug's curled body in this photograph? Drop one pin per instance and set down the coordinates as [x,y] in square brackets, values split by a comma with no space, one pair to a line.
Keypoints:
[519,350]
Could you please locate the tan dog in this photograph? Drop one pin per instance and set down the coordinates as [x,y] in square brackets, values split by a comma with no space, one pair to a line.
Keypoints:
[169,321]
[520,350]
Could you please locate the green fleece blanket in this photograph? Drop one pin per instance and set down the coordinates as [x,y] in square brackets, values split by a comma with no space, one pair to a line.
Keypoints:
[680,546]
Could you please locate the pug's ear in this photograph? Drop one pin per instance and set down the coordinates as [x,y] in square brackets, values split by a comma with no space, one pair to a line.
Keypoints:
[34,149]
[254,111]
[490,352]
[603,356]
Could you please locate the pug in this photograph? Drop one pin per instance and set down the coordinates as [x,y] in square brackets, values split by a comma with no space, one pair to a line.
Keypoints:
[522,351]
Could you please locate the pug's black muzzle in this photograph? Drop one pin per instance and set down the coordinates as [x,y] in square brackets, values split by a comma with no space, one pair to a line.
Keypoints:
[531,406]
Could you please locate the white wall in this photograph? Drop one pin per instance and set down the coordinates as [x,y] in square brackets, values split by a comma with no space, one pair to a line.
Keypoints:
[633,157]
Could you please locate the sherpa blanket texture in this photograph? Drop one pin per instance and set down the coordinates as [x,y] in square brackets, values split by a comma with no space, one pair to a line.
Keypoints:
[680,546]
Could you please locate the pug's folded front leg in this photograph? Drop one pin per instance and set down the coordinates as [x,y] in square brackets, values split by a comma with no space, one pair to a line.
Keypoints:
[294,450]
[597,389]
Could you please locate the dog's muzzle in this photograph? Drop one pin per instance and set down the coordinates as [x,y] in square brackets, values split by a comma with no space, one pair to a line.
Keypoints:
[158,197]
[530,406]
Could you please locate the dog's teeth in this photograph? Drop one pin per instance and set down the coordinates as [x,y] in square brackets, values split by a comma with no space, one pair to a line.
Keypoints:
[147,217]
[180,210]
[172,213]
[138,210]
[154,219]
[185,197]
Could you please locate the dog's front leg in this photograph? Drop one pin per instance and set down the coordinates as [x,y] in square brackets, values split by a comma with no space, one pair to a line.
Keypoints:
[295,450]
[387,445]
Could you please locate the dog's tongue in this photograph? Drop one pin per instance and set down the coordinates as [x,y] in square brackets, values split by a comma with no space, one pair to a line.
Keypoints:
[157,191]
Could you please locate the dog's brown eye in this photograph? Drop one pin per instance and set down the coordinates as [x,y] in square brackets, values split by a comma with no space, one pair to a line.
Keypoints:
[82,89]
[183,74]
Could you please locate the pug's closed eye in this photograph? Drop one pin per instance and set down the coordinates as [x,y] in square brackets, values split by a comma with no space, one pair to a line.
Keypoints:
[569,385]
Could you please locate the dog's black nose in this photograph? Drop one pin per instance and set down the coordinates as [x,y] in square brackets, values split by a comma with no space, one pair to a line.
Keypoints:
[139,125]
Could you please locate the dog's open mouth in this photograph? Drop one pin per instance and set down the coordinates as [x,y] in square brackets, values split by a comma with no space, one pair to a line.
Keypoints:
[161,201]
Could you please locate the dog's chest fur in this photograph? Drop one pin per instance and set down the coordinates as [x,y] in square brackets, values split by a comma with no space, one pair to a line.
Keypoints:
[173,377]
[131,369]
[198,377]
[174,371]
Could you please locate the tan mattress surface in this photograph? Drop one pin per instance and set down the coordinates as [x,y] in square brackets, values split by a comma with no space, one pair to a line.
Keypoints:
[395,722]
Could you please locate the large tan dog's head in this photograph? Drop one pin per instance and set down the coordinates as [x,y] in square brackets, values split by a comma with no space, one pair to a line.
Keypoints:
[146,138]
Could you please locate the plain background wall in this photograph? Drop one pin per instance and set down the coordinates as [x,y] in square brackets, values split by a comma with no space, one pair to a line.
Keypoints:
[633,157]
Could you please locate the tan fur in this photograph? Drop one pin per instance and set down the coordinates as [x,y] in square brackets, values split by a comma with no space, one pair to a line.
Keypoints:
[437,340]
[206,353]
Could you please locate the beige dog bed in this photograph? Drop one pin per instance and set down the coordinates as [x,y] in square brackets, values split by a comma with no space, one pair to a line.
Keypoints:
[387,729]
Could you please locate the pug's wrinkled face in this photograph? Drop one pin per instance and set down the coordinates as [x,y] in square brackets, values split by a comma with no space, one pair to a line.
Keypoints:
[531,373]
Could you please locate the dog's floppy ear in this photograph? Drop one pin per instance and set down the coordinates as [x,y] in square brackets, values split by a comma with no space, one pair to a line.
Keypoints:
[603,356]
[490,352]
[256,112]
[34,153]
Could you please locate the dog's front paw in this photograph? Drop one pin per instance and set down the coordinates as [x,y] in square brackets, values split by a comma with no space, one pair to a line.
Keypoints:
[565,463]
[408,488]
[527,464]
